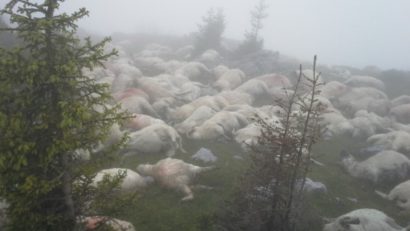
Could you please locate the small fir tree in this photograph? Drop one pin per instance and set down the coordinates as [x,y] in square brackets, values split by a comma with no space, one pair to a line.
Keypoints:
[270,195]
[210,32]
[253,42]
[48,113]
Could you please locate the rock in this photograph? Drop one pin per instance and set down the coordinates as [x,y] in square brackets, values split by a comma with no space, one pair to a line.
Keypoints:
[205,155]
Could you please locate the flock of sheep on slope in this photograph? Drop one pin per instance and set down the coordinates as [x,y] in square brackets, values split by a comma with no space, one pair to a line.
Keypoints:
[174,99]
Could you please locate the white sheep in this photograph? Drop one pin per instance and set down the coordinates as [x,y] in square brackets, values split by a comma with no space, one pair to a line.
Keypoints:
[131,182]
[140,121]
[199,116]
[363,98]
[333,89]
[335,123]
[237,97]
[400,194]
[401,113]
[3,216]
[96,222]
[382,167]
[156,138]
[365,81]
[183,112]
[220,125]
[364,220]
[155,50]
[248,136]
[174,174]
[196,71]
[254,87]
[156,88]
[366,124]
[219,70]
[275,80]
[394,140]
[403,99]
[139,105]
[210,57]
[229,80]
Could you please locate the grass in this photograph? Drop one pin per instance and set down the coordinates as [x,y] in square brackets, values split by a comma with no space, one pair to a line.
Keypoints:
[161,209]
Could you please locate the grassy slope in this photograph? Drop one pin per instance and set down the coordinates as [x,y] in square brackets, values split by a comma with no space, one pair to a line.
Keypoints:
[161,209]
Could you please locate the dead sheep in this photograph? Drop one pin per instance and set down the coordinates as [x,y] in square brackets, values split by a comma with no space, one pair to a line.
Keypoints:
[174,174]
[217,103]
[221,125]
[156,138]
[98,222]
[403,99]
[365,81]
[385,166]
[400,194]
[394,140]
[131,182]
[229,80]
[199,116]
[364,220]
[401,113]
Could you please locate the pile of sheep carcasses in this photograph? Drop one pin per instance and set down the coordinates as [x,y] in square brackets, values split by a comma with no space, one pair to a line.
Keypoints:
[180,99]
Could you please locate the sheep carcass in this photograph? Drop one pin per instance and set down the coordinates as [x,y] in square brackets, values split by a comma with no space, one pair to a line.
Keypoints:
[140,121]
[183,112]
[363,98]
[403,99]
[131,182]
[229,80]
[395,140]
[3,216]
[365,81]
[237,97]
[156,138]
[384,166]
[366,124]
[138,104]
[174,174]
[220,125]
[364,220]
[400,194]
[401,113]
[196,71]
[96,222]
[199,116]
[275,80]
[254,87]
[333,89]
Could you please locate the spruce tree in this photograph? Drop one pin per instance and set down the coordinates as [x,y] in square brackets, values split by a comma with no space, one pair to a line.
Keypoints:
[253,42]
[48,110]
[210,32]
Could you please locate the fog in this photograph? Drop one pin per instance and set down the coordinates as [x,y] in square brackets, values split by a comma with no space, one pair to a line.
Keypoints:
[342,32]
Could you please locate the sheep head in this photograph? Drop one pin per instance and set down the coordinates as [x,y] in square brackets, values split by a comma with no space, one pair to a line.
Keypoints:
[145,169]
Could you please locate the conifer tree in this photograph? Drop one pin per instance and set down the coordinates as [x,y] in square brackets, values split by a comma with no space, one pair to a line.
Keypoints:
[252,41]
[210,32]
[48,111]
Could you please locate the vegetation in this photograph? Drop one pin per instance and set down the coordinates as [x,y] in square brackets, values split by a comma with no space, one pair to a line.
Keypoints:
[50,115]
[270,195]
[253,42]
[210,32]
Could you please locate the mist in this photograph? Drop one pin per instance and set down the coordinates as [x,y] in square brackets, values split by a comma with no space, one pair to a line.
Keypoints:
[342,32]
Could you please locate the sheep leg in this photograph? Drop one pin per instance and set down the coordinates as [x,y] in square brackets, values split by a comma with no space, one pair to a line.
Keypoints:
[200,186]
[188,192]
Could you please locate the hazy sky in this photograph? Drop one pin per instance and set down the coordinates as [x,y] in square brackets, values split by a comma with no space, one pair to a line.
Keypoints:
[345,32]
